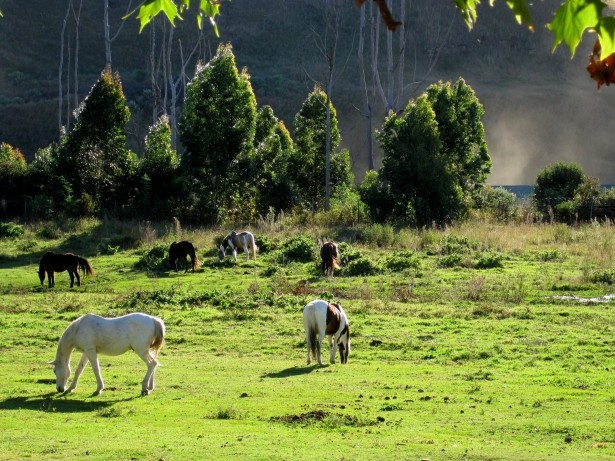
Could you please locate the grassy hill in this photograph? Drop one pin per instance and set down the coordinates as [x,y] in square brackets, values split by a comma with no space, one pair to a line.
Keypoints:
[540,107]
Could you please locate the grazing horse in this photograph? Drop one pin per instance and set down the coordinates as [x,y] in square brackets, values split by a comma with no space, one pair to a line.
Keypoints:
[329,254]
[322,318]
[181,250]
[58,262]
[242,241]
[95,335]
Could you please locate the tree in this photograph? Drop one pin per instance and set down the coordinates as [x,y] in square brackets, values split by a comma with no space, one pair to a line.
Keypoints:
[51,193]
[308,164]
[157,170]
[415,168]
[273,149]
[556,188]
[13,170]
[93,156]
[459,113]
[217,130]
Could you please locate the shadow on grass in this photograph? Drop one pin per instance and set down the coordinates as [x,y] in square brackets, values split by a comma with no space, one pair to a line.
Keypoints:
[293,371]
[60,403]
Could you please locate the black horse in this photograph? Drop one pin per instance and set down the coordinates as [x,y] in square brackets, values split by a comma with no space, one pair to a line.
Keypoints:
[329,254]
[59,262]
[181,250]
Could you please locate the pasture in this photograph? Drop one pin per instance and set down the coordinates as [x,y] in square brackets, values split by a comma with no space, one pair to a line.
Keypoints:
[466,344]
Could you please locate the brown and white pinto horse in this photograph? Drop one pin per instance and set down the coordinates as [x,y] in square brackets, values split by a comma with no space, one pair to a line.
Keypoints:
[329,254]
[320,319]
[59,262]
[238,241]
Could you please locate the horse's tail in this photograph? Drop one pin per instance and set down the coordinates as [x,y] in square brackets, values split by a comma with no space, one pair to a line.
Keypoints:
[194,257]
[85,265]
[159,332]
[253,245]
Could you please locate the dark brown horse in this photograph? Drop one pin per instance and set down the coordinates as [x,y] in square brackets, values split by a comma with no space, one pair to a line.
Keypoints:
[59,262]
[329,254]
[181,250]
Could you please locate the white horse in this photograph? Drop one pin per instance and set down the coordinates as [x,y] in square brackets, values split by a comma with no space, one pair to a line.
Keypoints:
[95,335]
[321,318]
[242,241]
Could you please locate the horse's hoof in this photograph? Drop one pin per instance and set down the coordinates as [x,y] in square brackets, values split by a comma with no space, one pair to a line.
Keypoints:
[144,392]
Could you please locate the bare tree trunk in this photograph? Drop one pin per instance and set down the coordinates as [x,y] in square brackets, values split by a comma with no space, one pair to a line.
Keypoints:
[367,109]
[108,39]
[77,16]
[61,69]
[107,34]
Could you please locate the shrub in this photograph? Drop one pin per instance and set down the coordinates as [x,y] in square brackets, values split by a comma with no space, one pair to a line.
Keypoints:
[489,260]
[606,276]
[265,243]
[299,248]
[381,235]
[156,259]
[451,260]
[498,203]
[11,230]
[361,266]
[400,260]
[347,253]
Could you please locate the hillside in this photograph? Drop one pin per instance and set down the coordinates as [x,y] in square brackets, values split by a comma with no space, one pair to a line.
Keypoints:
[540,107]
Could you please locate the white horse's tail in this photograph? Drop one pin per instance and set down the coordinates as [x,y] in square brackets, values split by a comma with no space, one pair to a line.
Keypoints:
[253,245]
[159,332]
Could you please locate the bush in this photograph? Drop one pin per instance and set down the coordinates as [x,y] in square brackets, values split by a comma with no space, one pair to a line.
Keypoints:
[381,235]
[11,230]
[299,248]
[156,259]
[400,260]
[347,253]
[265,243]
[451,260]
[489,260]
[361,266]
[498,203]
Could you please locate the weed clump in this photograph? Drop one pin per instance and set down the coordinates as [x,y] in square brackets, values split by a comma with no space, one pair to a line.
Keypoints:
[11,230]
[155,259]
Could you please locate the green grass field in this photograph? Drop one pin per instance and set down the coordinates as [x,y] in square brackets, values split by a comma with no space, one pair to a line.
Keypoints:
[464,347]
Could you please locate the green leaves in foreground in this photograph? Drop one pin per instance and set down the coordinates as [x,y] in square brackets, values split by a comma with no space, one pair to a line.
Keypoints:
[151,8]
[569,23]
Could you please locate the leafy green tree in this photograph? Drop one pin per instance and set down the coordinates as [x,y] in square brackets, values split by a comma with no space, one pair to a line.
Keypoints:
[157,170]
[93,156]
[376,194]
[217,129]
[556,188]
[51,193]
[308,164]
[273,149]
[459,113]
[418,172]
[13,171]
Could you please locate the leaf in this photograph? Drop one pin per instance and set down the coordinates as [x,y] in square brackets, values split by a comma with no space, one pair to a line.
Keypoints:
[606,32]
[150,8]
[521,11]
[571,20]
[468,10]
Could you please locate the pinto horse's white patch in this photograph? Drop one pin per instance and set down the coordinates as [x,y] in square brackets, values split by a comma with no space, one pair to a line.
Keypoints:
[321,319]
